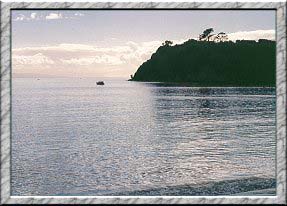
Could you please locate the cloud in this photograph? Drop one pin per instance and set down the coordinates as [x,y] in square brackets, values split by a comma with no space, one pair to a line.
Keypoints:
[79,61]
[252,35]
[84,49]
[59,47]
[21,17]
[120,60]
[37,59]
[33,15]
[54,16]
[43,16]
[100,59]
[79,14]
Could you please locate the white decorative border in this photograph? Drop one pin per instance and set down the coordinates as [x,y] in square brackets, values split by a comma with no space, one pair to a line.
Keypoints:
[6,197]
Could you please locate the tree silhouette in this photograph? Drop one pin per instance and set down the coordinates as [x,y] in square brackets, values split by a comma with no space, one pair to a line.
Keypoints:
[206,34]
[221,37]
[212,37]
[167,43]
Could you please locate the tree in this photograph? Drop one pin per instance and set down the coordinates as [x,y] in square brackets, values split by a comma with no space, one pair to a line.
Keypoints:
[167,43]
[212,37]
[221,37]
[206,34]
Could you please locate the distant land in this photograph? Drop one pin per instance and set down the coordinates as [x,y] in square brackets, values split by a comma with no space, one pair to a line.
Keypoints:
[208,63]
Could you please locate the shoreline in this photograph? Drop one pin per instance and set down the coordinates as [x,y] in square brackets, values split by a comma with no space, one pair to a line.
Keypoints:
[188,84]
[234,187]
[252,186]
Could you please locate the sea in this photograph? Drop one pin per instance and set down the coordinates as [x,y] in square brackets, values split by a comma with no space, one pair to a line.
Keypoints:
[73,137]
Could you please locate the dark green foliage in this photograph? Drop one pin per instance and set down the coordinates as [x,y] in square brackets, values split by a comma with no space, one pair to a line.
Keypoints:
[167,43]
[203,63]
[206,34]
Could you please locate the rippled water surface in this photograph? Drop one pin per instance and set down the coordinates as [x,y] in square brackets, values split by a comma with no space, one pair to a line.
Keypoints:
[71,137]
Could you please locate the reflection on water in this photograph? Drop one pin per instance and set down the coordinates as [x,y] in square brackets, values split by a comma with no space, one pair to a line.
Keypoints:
[72,137]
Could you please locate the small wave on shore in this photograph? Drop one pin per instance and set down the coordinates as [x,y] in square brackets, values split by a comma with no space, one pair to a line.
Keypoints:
[253,186]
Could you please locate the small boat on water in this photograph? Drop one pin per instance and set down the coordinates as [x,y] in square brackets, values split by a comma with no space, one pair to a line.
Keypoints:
[100,83]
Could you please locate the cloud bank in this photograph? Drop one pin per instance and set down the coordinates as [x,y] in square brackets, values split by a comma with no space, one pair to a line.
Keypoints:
[49,16]
[252,35]
[37,59]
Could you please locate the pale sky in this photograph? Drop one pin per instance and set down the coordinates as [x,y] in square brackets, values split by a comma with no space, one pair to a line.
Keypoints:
[114,43]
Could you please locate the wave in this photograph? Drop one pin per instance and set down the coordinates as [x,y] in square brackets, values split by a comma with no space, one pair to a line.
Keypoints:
[244,187]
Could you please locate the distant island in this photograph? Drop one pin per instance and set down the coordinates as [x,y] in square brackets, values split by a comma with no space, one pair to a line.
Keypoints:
[212,61]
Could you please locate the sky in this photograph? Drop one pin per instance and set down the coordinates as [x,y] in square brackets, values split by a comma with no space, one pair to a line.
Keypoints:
[114,43]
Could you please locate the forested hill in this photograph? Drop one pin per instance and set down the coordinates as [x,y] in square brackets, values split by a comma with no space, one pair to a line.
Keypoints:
[204,63]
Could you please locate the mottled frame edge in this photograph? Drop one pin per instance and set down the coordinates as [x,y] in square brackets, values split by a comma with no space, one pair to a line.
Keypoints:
[6,197]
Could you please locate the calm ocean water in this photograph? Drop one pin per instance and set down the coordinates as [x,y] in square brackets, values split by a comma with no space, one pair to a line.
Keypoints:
[71,137]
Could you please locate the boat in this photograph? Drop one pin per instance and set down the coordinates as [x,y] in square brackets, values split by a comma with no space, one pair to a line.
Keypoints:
[100,83]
